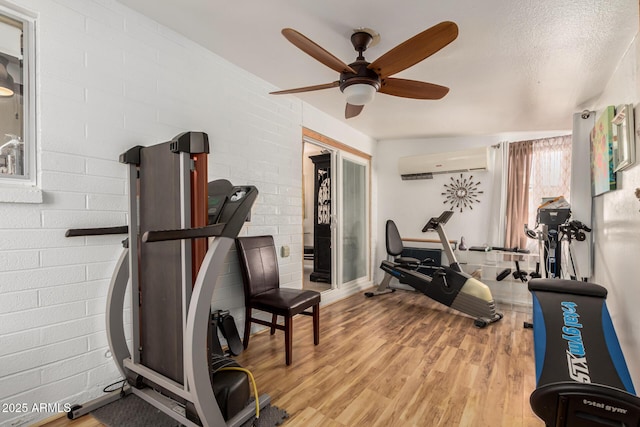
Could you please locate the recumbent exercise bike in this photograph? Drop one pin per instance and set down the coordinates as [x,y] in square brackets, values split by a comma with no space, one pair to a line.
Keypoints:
[449,285]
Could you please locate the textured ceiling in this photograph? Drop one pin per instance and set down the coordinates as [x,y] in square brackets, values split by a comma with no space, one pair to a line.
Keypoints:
[515,66]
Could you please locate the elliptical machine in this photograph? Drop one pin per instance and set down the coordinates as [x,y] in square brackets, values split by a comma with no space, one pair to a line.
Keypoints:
[449,285]
[556,232]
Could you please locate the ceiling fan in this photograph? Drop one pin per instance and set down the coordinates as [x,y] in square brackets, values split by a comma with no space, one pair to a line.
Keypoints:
[360,80]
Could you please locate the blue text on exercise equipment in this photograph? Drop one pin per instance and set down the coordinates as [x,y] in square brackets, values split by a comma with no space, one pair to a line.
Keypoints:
[576,353]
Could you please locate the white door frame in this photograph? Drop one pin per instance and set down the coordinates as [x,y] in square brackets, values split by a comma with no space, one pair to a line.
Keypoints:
[340,151]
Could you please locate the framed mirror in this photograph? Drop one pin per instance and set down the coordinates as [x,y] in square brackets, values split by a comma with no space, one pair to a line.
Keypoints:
[17,100]
[624,153]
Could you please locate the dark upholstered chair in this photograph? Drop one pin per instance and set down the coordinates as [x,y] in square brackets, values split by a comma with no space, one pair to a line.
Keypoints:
[262,291]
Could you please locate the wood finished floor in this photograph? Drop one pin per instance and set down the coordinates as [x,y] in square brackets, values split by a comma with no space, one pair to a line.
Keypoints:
[395,360]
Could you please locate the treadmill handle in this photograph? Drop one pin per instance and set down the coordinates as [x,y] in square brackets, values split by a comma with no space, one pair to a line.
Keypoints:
[76,232]
[187,233]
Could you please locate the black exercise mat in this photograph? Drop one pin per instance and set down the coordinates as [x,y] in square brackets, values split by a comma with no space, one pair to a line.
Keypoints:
[269,416]
[131,411]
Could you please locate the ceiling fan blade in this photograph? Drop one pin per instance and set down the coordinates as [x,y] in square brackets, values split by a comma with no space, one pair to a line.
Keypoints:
[415,49]
[307,88]
[412,89]
[314,50]
[352,110]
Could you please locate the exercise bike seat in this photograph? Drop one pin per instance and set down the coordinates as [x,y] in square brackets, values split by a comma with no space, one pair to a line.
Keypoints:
[395,246]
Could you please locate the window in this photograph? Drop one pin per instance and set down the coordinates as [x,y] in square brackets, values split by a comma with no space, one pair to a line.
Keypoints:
[550,172]
[537,169]
[17,106]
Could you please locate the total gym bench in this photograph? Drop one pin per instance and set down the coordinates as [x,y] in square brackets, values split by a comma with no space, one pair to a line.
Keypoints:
[581,375]
[173,270]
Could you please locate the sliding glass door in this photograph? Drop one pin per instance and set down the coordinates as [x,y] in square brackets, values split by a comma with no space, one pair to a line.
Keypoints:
[354,218]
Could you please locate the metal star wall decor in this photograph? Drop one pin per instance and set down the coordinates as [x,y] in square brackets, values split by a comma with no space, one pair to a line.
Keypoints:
[462,193]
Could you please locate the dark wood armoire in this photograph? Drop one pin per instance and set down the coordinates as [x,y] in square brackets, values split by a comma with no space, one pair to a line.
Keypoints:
[322,218]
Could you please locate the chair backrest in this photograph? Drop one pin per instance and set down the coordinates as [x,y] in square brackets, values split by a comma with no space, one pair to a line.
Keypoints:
[393,239]
[259,264]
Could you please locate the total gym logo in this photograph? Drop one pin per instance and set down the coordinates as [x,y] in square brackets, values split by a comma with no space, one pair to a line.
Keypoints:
[576,354]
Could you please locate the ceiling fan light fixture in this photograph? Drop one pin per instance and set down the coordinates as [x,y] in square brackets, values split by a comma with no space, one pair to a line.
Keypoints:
[359,93]
[6,81]
[5,92]
[360,80]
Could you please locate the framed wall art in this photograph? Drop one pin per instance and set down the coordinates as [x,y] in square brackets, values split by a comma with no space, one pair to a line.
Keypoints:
[603,178]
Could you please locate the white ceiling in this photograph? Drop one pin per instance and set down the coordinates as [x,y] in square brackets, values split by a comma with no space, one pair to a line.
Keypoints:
[516,65]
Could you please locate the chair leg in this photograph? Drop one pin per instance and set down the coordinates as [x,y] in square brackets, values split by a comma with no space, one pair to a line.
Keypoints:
[247,327]
[316,324]
[288,338]
[274,322]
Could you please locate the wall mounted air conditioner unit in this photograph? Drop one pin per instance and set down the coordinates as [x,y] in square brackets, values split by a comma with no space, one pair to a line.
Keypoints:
[425,165]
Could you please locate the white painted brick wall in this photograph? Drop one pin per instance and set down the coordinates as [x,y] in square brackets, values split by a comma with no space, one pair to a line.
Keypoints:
[22,340]
[110,79]
[38,357]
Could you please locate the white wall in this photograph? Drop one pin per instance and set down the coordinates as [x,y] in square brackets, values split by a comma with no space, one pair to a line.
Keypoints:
[411,203]
[616,223]
[315,119]
[110,79]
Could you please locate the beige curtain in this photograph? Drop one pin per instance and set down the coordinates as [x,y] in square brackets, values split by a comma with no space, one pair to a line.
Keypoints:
[550,172]
[520,154]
